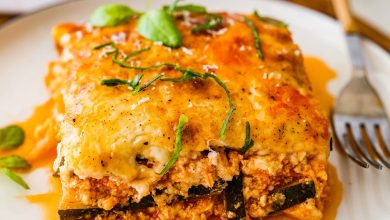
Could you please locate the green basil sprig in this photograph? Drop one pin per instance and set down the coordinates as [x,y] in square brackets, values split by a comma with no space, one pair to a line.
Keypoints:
[158,25]
[111,15]
[13,161]
[271,21]
[178,144]
[11,137]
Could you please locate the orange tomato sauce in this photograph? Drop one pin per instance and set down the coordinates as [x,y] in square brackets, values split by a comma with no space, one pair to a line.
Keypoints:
[39,147]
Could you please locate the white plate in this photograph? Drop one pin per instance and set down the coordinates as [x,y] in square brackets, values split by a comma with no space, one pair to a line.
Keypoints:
[26,47]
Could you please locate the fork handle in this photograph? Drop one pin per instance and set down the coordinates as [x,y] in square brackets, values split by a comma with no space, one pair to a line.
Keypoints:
[343,14]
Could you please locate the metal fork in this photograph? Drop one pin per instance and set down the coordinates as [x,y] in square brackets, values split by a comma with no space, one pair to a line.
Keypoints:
[359,117]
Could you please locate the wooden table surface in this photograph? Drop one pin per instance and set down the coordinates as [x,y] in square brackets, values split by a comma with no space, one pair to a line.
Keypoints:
[324,6]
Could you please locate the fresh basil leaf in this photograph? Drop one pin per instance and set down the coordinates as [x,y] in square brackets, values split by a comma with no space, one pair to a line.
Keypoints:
[191,8]
[14,177]
[159,26]
[213,21]
[11,137]
[13,161]
[248,143]
[256,37]
[271,21]
[111,15]
[178,144]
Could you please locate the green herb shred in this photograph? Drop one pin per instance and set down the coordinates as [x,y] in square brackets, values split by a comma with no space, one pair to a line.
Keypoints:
[270,20]
[222,132]
[135,53]
[14,177]
[111,15]
[11,137]
[178,144]
[190,7]
[213,21]
[147,84]
[248,143]
[115,50]
[133,85]
[256,37]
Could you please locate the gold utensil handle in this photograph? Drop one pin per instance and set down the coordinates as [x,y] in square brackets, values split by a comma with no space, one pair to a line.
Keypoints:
[343,14]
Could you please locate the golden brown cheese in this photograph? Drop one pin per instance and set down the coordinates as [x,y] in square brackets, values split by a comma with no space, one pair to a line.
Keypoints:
[104,128]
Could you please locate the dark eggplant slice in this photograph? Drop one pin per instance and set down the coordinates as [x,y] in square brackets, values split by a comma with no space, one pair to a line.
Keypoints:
[200,190]
[234,199]
[291,195]
[73,214]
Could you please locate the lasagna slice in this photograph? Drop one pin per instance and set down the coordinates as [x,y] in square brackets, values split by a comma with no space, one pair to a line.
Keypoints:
[115,158]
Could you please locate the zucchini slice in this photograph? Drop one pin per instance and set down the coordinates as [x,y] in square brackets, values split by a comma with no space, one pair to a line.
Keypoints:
[89,213]
[291,195]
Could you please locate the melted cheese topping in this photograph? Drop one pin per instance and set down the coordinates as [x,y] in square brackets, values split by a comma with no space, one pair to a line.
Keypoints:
[104,128]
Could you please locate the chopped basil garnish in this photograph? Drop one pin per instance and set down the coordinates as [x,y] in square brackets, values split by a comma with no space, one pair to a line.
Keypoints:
[11,137]
[111,15]
[213,21]
[117,82]
[187,75]
[271,21]
[222,132]
[256,37]
[13,162]
[14,177]
[115,50]
[147,84]
[133,85]
[159,25]
[178,144]
[248,143]
[135,53]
